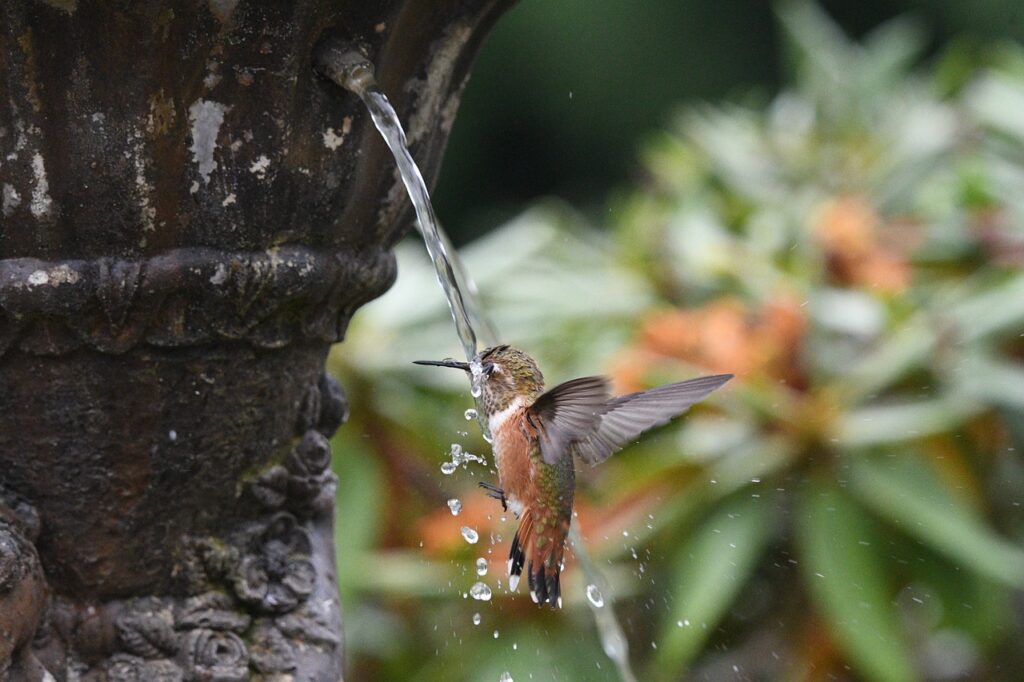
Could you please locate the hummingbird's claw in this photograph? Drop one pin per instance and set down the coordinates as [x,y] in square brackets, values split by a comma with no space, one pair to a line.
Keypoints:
[496,493]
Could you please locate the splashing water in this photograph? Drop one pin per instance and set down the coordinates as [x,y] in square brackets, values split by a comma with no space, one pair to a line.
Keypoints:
[355,73]
[454,506]
[470,457]
[470,414]
[456,453]
[481,566]
[480,592]
[386,120]
[613,639]
[459,289]
[459,457]
[506,677]
[475,390]
[595,597]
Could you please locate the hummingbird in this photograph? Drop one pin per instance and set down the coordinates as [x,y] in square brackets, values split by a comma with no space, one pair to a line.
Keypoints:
[536,434]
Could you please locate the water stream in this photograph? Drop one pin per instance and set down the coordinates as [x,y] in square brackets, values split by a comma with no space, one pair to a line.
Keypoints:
[356,75]
[386,120]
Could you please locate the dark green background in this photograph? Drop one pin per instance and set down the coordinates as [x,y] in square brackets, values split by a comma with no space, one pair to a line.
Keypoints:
[565,91]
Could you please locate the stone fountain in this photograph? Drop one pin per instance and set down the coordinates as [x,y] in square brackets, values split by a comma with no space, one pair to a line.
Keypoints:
[189,217]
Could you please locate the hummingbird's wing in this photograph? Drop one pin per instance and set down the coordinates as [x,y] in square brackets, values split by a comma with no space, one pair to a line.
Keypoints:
[627,416]
[595,432]
[568,412]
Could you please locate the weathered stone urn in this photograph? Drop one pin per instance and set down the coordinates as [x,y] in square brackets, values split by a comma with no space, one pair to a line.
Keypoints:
[189,216]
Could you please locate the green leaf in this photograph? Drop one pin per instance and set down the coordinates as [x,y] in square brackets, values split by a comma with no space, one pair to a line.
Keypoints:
[993,310]
[891,49]
[844,572]
[902,351]
[897,422]
[989,379]
[997,310]
[359,498]
[997,100]
[403,573]
[960,600]
[904,491]
[710,570]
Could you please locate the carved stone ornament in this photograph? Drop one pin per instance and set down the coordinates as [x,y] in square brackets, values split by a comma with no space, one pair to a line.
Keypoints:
[185,298]
[189,217]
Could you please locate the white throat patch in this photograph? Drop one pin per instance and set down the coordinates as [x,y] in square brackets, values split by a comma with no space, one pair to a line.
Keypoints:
[498,419]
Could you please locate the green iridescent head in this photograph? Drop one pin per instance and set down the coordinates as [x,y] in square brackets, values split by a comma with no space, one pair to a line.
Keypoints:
[507,373]
[504,374]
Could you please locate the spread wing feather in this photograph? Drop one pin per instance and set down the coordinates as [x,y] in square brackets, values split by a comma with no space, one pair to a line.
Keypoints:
[594,431]
[630,415]
[566,412]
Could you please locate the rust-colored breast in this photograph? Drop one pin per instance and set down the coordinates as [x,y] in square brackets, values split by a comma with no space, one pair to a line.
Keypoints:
[512,449]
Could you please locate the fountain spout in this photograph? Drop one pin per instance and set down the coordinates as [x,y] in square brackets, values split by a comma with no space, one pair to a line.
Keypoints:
[345,64]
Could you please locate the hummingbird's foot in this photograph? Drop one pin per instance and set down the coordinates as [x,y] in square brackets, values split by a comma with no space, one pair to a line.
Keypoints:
[495,492]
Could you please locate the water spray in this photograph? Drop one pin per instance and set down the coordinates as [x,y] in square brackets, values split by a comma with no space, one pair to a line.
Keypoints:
[350,68]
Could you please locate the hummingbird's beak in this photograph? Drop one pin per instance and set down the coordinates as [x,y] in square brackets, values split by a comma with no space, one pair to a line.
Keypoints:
[448,362]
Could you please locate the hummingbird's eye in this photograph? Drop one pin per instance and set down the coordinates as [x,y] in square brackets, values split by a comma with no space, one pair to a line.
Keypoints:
[488,369]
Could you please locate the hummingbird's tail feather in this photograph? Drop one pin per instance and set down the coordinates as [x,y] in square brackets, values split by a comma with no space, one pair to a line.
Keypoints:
[540,551]
[517,555]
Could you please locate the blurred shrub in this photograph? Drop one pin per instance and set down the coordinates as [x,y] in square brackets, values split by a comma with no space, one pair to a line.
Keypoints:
[850,508]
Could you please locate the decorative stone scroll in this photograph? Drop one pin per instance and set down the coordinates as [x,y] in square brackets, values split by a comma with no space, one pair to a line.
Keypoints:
[186,297]
[258,604]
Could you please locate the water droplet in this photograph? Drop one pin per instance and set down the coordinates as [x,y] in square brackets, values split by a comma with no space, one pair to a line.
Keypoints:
[448,468]
[495,634]
[470,414]
[488,437]
[614,645]
[476,619]
[594,595]
[455,506]
[506,677]
[480,592]
[470,535]
[456,453]
[481,566]
[172,435]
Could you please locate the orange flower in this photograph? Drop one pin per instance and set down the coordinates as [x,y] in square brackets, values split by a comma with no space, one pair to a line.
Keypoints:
[712,336]
[631,369]
[847,226]
[441,532]
[848,229]
[722,336]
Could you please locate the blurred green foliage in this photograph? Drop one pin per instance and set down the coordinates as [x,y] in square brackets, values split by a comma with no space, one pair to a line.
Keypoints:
[563,92]
[849,508]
